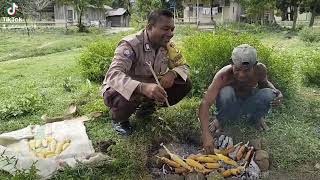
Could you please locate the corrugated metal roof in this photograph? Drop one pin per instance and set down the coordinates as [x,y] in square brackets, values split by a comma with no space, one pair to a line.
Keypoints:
[104,7]
[116,12]
[107,7]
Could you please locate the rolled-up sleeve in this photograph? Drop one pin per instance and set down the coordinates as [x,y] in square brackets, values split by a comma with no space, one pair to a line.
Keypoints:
[183,71]
[177,62]
[117,77]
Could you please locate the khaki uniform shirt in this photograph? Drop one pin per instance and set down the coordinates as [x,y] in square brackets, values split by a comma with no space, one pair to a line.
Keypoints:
[128,68]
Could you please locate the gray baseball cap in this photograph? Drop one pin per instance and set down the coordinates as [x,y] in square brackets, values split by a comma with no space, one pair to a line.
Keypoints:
[244,55]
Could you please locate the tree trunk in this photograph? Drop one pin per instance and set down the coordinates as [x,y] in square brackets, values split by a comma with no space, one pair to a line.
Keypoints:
[80,25]
[25,21]
[313,15]
[284,15]
[295,17]
[211,12]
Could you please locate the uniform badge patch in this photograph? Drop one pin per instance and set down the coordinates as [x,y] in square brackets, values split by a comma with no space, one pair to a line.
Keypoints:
[128,54]
[147,47]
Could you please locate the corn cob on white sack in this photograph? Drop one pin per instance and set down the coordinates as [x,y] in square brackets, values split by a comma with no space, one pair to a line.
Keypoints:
[16,144]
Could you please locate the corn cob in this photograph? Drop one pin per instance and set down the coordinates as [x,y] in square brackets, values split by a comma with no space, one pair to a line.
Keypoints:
[204,171]
[65,146]
[53,145]
[38,143]
[231,149]
[194,156]
[180,170]
[206,159]
[40,155]
[229,172]
[177,159]
[249,153]
[215,157]
[44,143]
[227,160]
[169,162]
[49,139]
[49,154]
[212,165]
[241,151]
[59,148]
[32,144]
[233,155]
[195,164]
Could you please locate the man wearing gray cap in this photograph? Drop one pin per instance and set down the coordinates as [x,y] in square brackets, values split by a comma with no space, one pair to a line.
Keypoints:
[241,88]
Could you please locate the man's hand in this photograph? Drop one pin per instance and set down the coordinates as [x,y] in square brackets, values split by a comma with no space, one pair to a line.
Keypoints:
[153,91]
[278,100]
[167,79]
[208,143]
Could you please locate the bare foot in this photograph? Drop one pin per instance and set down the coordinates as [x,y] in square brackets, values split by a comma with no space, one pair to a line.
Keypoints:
[262,125]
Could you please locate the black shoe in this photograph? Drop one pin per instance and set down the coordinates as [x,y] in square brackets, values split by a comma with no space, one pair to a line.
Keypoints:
[122,128]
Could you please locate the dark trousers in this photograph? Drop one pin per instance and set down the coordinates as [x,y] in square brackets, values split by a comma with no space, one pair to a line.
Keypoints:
[255,106]
[121,109]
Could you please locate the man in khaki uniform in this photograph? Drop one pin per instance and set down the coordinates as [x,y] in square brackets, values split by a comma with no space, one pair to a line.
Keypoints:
[129,82]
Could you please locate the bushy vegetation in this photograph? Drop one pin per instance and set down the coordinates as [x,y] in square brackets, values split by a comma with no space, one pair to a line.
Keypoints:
[207,53]
[311,69]
[22,105]
[310,34]
[282,73]
[249,28]
[96,58]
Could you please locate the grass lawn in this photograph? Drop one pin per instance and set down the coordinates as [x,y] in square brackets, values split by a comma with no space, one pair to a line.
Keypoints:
[40,75]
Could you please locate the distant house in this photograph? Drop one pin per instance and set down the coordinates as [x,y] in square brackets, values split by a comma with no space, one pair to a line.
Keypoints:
[94,16]
[222,11]
[118,17]
[303,19]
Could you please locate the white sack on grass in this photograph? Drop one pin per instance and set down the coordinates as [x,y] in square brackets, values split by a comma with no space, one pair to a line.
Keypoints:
[14,147]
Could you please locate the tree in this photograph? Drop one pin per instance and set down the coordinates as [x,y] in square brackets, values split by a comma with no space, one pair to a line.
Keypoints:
[212,4]
[143,8]
[80,7]
[121,4]
[26,9]
[312,6]
[293,5]
[256,9]
[33,8]
[283,6]
[39,5]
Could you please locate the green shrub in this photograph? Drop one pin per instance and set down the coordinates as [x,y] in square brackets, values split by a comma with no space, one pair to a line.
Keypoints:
[96,58]
[25,104]
[311,69]
[310,34]
[283,73]
[207,53]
